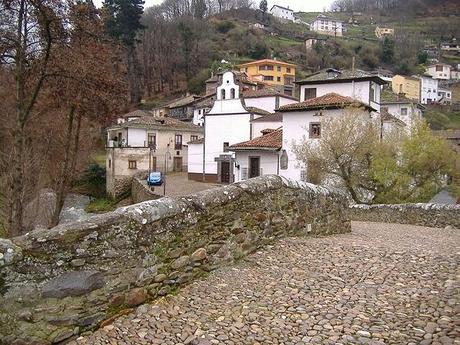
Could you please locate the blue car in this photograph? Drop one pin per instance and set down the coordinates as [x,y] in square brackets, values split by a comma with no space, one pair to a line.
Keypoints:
[155,179]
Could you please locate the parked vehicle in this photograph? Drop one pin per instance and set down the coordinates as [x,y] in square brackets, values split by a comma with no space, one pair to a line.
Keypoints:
[155,179]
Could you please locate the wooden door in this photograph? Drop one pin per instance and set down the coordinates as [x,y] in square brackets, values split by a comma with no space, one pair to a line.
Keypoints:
[254,167]
[225,172]
[177,164]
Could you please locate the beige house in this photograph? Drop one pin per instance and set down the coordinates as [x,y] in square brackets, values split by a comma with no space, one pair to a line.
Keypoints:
[408,86]
[384,32]
[146,143]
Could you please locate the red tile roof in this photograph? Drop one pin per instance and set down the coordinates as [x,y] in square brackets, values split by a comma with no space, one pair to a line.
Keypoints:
[328,101]
[266,92]
[269,141]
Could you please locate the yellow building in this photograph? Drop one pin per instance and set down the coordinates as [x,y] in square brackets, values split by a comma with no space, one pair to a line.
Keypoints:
[272,72]
[409,86]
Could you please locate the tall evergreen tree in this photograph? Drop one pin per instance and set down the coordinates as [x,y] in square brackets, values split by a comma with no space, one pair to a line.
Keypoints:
[123,22]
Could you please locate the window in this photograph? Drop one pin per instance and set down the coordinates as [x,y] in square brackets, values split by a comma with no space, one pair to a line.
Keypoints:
[193,137]
[178,142]
[222,93]
[278,78]
[403,111]
[278,68]
[268,77]
[266,68]
[288,70]
[309,93]
[132,164]
[151,139]
[225,148]
[372,94]
[232,93]
[110,163]
[438,68]
[315,130]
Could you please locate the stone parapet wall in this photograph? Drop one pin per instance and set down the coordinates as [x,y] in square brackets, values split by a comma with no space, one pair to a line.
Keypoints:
[60,282]
[431,215]
[140,192]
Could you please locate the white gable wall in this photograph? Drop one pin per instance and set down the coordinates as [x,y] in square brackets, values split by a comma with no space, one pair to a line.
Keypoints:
[282,13]
[358,90]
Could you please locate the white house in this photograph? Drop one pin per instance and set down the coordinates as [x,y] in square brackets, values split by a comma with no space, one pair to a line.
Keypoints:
[259,156]
[281,12]
[358,85]
[439,71]
[303,120]
[452,46]
[401,108]
[328,26]
[201,108]
[140,142]
[428,89]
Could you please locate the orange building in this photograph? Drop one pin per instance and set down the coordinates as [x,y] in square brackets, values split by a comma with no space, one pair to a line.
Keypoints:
[272,72]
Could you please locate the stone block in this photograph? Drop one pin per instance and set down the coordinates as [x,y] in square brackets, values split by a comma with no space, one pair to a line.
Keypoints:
[74,283]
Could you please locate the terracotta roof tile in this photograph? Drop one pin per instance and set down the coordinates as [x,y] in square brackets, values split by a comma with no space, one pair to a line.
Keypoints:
[269,141]
[266,92]
[387,117]
[329,100]
[159,122]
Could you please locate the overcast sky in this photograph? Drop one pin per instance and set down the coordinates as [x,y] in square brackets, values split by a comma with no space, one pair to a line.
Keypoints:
[296,5]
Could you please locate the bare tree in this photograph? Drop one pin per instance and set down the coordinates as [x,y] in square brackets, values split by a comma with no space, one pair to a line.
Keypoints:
[28,32]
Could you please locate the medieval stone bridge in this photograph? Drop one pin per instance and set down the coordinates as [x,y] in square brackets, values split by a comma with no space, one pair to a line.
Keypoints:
[379,284]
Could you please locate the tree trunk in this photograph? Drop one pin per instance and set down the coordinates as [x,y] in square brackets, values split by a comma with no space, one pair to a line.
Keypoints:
[61,186]
[134,87]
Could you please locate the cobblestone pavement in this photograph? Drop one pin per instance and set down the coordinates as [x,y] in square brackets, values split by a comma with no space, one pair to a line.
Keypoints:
[178,184]
[381,284]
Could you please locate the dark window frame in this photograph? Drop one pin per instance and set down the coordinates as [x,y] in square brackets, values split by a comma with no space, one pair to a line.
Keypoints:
[132,164]
[313,128]
[310,90]
[178,143]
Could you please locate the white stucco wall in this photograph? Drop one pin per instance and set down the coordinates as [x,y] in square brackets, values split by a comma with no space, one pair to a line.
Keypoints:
[444,74]
[195,158]
[282,13]
[264,103]
[357,90]
[268,103]
[223,128]
[268,162]
[328,27]
[227,121]
[295,129]
[137,137]
[429,90]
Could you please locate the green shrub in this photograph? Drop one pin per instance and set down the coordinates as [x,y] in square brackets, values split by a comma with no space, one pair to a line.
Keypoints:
[100,205]
[93,180]
[224,26]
